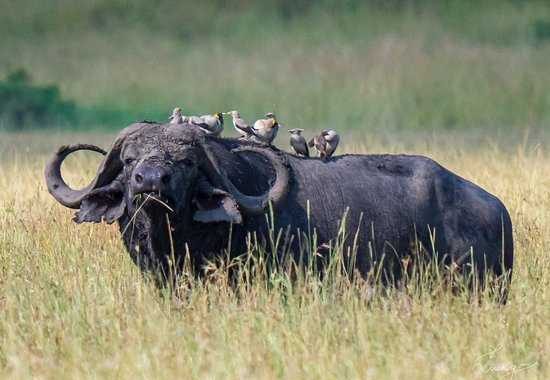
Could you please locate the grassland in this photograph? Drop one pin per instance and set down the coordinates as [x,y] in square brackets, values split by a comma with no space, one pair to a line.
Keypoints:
[72,305]
[373,65]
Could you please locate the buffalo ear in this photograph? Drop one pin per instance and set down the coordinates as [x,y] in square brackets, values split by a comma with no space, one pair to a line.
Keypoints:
[215,205]
[103,204]
[218,209]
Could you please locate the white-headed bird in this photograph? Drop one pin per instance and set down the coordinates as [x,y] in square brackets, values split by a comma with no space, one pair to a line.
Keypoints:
[332,138]
[210,124]
[241,126]
[176,117]
[298,142]
[325,143]
[265,130]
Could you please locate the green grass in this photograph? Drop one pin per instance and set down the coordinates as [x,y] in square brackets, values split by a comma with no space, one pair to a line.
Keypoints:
[421,65]
[72,304]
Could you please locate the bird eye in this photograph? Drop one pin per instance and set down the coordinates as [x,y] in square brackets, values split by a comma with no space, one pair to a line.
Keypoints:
[128,161]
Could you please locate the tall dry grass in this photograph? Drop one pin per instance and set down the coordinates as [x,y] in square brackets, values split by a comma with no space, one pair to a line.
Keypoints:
[72,305]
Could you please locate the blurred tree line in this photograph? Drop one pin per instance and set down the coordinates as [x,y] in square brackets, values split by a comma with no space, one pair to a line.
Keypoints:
[193,19]
[108,34]
[23,104]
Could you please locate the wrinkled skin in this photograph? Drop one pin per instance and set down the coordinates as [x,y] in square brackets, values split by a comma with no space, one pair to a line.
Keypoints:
[147,236]
[396,202]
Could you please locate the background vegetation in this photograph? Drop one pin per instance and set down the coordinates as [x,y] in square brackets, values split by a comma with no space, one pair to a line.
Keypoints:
[352,64]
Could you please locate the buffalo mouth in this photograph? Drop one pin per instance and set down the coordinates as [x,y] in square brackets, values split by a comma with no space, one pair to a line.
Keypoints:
[154,201]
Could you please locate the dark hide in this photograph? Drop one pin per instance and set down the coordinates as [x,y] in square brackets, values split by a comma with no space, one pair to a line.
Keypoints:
[396,203]
[392,203]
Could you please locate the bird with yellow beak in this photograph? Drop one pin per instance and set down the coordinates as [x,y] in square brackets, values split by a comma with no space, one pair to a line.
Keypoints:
[209,124]
[266,129]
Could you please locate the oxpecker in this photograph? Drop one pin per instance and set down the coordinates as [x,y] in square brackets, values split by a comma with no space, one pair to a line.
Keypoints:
[176,117]
[265,130]
[298,142]
[325,143]
[319,143]
[332,138]
[240,125]
[210,124]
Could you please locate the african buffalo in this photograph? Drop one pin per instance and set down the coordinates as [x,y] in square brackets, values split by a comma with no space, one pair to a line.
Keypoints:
[173,190]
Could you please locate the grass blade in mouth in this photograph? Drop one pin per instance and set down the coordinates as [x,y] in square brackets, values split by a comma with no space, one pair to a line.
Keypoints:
[138,198]
[133,218]
[149,196]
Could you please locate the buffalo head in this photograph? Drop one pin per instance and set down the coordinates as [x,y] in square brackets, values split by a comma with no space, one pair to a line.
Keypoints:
[173,169]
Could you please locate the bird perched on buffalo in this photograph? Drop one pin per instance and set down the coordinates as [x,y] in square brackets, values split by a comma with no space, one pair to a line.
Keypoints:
[320,144]
[176,117]
[333,139]
[210,124]
[325,143]
[241,126]
[265,130]
[298,142]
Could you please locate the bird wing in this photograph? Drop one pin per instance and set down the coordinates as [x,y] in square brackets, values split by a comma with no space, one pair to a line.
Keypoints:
[320,143]
[304,145]
[196,120]
[212,131]
[241,125]
[331,146]
[275,130]
[300,145]
[200,122]
[207,118]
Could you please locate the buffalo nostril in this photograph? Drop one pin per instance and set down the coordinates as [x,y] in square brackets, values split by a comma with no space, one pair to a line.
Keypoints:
[139,178]
[165,179]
